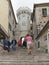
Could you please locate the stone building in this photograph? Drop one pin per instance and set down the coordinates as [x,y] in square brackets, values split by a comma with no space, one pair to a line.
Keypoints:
[43,38]
[11,21]
[3,32]
[40,25]
[24,19]
[7,17]
[4,14]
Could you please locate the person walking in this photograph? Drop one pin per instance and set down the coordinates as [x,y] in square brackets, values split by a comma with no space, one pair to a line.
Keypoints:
[20,42]
[29,43]
[6,46]
[13,43]
[24,42]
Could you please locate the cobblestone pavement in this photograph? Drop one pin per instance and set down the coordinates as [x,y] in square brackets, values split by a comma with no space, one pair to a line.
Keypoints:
[20,57]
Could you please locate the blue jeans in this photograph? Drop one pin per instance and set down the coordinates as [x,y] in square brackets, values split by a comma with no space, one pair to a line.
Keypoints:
[14,47]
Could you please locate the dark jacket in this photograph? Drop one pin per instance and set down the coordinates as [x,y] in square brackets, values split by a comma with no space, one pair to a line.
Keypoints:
[5,43]
[14,41]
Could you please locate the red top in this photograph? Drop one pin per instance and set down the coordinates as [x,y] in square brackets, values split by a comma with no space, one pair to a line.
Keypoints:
[19,42]
[28,39]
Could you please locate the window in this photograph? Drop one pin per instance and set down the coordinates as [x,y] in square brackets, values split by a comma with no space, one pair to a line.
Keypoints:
[31,33]
[31,27]
[10,26]
[38,28]
[45,37]
[13,32]
[44,12]
[9,13]
[38,44]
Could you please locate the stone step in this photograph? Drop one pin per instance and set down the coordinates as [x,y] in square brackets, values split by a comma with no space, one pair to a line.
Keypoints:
[21,57]
[16,62]
[22,62]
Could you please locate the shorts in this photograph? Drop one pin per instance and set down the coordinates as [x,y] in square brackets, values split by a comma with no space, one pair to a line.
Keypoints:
[29,44]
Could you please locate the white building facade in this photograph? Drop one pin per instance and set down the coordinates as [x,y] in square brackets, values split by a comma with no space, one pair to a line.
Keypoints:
[24,18]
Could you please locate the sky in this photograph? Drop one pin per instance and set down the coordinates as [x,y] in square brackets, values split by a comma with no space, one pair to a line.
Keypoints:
[26,3]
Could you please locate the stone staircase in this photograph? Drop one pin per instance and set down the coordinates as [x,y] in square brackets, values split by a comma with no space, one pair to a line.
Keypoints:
[20,57]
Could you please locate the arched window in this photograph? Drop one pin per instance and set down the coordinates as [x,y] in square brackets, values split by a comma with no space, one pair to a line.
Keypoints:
[38,44]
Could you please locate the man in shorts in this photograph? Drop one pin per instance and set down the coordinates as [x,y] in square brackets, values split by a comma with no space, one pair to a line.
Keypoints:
[29,42]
